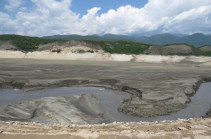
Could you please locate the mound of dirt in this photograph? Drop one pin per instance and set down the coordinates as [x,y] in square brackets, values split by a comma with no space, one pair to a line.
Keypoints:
[170,49]
[80,109]
[206,48]
[7,45]
[73,46]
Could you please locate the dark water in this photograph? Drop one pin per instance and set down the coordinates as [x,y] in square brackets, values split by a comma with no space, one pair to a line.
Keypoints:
[111,99]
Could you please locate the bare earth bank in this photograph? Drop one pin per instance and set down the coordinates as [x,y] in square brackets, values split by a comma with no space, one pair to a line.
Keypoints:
[194,128]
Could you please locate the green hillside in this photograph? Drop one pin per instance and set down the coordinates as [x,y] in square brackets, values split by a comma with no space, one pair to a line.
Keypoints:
[26,44]
[121,47]
[196,39]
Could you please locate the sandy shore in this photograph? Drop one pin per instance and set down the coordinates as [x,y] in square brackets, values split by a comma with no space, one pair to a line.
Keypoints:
[193,128]
[101,56]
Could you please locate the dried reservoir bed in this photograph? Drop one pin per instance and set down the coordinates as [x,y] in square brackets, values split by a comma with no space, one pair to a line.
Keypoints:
[70,105]
[155,88]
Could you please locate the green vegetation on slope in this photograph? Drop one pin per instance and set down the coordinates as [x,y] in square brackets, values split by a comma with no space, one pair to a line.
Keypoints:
[198,52]
[121,47]
[26,43]
[196,39]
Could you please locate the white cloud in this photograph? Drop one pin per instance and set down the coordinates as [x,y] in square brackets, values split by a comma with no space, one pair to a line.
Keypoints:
[51,17]
[6,24]
[192,21]
[13,4]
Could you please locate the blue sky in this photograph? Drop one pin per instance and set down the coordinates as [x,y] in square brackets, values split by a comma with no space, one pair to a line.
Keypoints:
[86,17]
[81,6]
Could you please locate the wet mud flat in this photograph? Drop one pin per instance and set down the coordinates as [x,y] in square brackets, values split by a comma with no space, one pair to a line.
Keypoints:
[155,88]
[86,105]
[69,105]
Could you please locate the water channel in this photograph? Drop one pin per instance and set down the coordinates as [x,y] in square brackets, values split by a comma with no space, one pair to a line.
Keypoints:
[109,100]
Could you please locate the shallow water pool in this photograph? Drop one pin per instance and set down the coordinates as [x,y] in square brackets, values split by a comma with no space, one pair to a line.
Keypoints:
[109,100]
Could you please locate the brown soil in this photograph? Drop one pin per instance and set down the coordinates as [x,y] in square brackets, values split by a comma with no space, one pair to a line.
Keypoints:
[169,49]
[206,48]
[195,128]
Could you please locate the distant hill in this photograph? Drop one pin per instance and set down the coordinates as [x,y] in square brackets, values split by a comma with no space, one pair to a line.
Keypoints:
[161,39]
[197,39]
[75,37]
[106,37]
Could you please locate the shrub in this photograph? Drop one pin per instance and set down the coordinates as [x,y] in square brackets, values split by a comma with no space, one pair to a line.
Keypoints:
[56,50]
[90,51]
[121,47]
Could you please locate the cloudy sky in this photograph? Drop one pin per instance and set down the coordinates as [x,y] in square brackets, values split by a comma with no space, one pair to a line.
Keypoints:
[85,17]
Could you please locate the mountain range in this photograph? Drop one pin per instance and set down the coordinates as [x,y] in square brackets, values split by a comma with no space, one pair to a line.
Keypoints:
[197,39]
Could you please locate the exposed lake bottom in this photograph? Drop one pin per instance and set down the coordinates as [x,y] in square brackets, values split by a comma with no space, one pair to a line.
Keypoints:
[109,101]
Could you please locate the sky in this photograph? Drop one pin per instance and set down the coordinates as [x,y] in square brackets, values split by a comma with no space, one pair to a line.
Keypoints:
[88,17]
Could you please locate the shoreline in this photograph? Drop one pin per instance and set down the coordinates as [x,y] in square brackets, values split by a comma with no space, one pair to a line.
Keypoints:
[102,56]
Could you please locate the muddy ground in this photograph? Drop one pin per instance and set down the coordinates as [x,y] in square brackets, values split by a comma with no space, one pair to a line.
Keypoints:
[195,128]
[75,109]
[156,89]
